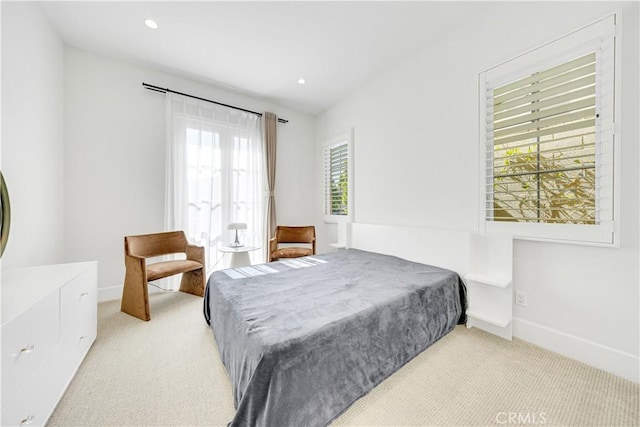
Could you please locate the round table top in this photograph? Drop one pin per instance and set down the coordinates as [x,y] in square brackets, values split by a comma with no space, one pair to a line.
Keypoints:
[237,249]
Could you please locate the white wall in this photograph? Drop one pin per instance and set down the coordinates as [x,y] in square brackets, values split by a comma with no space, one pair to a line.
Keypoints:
[32,144]
[115,157]
[416,144]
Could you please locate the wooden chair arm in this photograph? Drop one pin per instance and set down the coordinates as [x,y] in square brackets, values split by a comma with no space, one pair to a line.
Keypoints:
[273,246]
[136,266]
[195,253]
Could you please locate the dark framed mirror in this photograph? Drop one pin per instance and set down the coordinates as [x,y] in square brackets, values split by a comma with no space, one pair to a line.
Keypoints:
[5,214]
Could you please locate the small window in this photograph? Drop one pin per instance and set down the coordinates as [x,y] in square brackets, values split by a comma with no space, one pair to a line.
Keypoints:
[337,172]
[548,140]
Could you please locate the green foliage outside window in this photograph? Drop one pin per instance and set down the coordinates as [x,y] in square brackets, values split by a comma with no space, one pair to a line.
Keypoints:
[552,186]
[340,195]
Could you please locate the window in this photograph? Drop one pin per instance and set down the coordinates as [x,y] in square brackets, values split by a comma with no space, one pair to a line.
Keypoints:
[215,175]
[224,184]
[548,140]
[544,156]
[338,176]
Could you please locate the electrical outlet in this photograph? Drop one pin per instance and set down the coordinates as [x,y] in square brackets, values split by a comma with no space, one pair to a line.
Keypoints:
[521,298]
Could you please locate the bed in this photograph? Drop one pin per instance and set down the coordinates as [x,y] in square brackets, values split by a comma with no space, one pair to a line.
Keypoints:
[302,339]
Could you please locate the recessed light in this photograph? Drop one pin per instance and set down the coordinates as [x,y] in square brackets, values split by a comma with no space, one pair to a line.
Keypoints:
[301,81]
[151,24]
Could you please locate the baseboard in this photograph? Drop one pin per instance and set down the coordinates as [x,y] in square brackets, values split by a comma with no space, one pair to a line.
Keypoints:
[503,332]
[115,292]
[620,363]
[110,293]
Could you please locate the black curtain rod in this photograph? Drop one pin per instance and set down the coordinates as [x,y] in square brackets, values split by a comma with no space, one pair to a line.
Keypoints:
[165,90]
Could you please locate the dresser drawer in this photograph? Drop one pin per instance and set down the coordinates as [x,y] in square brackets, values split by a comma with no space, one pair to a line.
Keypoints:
[79,306]
[27,340]
[79,317]
[73,350]
[36,399]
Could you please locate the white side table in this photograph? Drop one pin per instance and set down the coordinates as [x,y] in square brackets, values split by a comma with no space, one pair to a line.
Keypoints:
[239,255]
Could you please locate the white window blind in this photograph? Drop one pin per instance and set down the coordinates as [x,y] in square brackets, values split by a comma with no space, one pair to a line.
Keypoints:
[549,139]
[337,178]
[544,146]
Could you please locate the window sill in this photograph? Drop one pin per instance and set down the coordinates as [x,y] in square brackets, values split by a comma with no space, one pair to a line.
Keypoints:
[336,219]
[574,234]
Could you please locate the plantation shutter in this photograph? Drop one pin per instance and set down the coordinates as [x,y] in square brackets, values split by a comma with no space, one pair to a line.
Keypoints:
[543,156]
[336,179]
[548,138]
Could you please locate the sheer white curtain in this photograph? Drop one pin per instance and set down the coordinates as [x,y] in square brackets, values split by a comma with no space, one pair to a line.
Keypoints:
[215,175]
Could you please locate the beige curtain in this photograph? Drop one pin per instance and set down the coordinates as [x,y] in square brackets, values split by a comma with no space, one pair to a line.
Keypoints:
[270,121]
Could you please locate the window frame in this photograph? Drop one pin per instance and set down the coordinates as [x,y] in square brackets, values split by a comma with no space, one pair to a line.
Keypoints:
[342,138]
[604,32]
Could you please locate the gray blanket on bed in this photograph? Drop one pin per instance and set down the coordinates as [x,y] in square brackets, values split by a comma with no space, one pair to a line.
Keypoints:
[303,339]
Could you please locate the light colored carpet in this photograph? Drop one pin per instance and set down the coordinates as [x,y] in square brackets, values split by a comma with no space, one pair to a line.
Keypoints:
[167,372]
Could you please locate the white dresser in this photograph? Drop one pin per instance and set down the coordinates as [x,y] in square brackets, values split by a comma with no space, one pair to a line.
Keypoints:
[49,321]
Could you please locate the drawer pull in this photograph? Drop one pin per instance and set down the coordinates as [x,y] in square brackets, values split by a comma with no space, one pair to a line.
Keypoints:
[27,420]
[27,349]
[84,294]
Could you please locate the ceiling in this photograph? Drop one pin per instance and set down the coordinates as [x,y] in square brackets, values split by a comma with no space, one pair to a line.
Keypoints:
[263,48]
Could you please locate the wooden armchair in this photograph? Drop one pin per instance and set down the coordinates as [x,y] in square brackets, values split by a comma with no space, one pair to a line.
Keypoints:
[135,295]
[288,234]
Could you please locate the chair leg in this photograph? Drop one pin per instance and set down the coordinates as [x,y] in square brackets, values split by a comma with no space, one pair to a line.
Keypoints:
[193,282]
[135,298]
